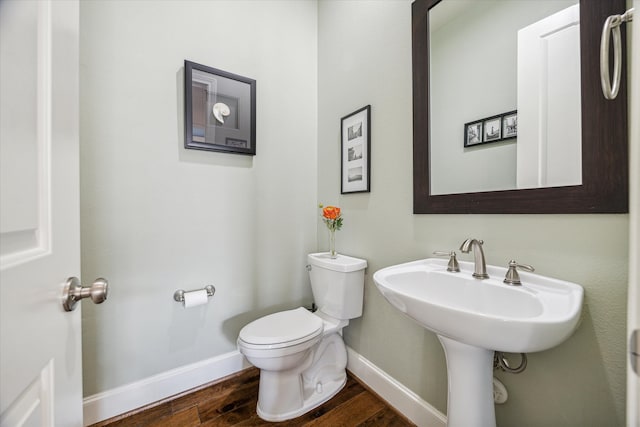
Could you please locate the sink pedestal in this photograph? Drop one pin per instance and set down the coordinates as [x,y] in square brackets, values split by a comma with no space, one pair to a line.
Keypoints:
[470,376]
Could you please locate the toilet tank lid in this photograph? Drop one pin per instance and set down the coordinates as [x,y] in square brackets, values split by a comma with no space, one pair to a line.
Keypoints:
[342,263]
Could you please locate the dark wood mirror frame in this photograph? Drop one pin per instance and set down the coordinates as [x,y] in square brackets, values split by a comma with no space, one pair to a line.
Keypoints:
[605,184]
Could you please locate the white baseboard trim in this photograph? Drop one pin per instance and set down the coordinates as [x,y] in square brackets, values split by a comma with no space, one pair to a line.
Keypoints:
[120,400]
[397,395]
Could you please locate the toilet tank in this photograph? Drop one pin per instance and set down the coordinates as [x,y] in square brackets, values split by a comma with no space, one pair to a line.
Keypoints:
[337,284]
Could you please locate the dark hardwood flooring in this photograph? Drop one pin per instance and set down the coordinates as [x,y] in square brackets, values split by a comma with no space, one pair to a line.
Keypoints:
[232,402]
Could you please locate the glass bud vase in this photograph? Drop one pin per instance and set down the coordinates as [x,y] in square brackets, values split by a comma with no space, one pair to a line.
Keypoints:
[332,244]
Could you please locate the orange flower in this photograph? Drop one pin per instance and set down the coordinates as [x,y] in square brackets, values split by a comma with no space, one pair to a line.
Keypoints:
[331,212]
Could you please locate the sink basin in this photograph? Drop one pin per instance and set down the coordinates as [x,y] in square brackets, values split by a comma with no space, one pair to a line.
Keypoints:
[473,318]
[538,315]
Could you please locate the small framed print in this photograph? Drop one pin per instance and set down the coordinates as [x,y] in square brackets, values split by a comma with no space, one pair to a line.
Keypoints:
[510,125]
[220,110]
[472,134]
[492,129]
[355,131]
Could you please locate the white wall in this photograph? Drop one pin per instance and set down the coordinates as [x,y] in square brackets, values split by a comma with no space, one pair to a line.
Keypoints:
[364,50]
[157,217]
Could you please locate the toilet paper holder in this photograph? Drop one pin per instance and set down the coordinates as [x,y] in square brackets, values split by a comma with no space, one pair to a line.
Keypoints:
[178,295]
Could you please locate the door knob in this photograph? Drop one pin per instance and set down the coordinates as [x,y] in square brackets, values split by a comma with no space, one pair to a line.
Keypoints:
[74,292]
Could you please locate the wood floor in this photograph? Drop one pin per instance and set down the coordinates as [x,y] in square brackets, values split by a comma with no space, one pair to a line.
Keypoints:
[232,402]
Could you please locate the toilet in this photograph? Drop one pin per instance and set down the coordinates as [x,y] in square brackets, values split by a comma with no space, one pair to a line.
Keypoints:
[301,355]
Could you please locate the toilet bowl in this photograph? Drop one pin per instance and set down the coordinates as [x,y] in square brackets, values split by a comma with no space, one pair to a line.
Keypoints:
[301,355]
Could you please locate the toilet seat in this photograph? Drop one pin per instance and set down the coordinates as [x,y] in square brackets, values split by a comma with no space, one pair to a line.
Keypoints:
[281,330]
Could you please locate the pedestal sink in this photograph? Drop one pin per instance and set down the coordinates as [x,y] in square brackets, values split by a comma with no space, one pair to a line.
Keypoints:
[473,318]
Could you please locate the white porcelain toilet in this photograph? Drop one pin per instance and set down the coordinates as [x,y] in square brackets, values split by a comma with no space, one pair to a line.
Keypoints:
[301,355]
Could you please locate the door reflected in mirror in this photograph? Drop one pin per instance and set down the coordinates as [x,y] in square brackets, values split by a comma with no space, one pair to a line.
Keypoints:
[505,95]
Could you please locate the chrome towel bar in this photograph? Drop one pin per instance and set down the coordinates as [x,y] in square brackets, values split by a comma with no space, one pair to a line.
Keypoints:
[612,27]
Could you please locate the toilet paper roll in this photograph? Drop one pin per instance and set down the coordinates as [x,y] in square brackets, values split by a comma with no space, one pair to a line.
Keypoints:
[195,298]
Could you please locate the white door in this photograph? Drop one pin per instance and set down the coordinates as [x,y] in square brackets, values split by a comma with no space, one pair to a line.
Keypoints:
[40,360]
[549,149]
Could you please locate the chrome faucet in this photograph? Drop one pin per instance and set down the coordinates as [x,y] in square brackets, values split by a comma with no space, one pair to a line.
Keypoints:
[480,269]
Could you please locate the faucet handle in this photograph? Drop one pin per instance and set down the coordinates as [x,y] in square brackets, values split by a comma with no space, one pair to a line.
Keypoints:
[512,277]
[453,261]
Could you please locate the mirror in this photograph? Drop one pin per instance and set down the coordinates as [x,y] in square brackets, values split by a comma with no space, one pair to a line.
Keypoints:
[451,169]
[502,100]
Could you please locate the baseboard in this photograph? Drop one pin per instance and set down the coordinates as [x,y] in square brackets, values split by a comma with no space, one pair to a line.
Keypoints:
[120,400]
[397,395]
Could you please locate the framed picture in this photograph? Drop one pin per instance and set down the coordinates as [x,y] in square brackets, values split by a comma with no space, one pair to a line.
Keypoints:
[472,134]
[220,110]
[492,129]
[510,125]
[355,131]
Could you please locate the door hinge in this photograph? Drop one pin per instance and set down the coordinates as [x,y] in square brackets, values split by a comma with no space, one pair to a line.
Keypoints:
[634,351]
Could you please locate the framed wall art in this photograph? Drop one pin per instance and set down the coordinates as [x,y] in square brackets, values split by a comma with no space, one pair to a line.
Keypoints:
[472,134]
[220,110]
[491,129]
[510,125]
[355,131]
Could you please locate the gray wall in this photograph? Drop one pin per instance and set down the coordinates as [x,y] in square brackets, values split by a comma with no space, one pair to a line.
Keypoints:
[157,217]
[364,51]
